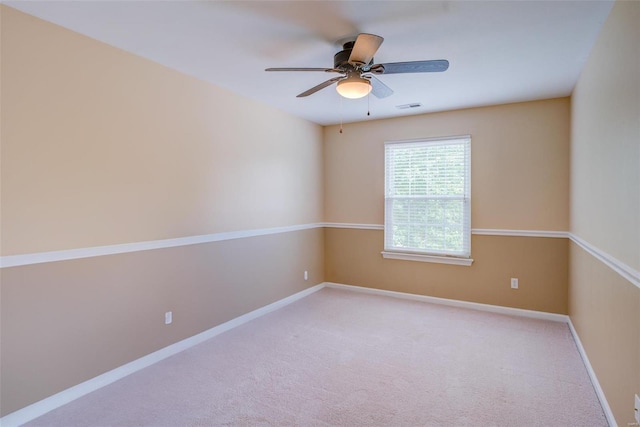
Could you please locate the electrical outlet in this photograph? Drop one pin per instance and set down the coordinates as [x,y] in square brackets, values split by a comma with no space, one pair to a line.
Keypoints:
[306,275]
[514,283]
[168,317]
[636,408]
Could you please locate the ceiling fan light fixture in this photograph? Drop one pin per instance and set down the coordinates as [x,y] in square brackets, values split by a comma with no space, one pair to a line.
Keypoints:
[354,87]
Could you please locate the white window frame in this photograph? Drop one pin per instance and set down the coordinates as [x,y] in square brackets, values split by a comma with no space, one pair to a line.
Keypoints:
[413,254]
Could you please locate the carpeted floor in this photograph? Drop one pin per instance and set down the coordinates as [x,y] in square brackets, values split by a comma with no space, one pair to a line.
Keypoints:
[345,358]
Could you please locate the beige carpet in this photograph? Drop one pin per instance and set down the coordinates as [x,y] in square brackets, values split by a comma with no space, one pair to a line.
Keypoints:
[345,358]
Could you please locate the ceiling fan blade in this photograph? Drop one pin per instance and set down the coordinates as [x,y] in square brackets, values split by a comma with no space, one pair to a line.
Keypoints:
[327,70]
[320,86]
[434,66]
[365,47]
[379,89]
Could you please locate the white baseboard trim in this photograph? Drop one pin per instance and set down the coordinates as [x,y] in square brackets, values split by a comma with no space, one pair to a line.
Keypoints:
[50,403]
[592,375]
[456,303]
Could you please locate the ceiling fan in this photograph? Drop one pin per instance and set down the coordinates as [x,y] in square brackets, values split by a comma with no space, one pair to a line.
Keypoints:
[358,72]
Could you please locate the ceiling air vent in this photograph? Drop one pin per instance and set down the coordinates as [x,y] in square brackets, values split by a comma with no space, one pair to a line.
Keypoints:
[412,105]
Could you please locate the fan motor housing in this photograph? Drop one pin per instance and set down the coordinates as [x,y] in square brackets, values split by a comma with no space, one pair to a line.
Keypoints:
[341,59]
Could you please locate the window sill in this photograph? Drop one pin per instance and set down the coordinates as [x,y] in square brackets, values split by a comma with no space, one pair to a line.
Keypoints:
[427,258]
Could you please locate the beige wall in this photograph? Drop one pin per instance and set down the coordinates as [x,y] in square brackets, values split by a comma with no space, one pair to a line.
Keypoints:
[605,207]
[353,257]
[102,147]
[519,164]
[66,322]
[519,181]
[605,162]
[605,310]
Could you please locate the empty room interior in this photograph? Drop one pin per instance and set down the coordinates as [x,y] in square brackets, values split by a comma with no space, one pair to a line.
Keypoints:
[160,191]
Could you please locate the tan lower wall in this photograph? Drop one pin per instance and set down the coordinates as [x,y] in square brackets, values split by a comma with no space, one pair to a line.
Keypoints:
[66,322]
[605,310]
[352,256]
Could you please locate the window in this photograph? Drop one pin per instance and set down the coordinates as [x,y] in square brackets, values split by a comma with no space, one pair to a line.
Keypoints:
[428,200]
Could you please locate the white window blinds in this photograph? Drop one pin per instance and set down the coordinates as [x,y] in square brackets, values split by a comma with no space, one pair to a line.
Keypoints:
[428,196]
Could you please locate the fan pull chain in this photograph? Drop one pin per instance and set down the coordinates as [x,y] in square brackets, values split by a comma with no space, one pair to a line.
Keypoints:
[340,114]
[369,104]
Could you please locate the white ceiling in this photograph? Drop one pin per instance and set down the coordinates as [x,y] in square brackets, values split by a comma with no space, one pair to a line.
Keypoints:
[499,51]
